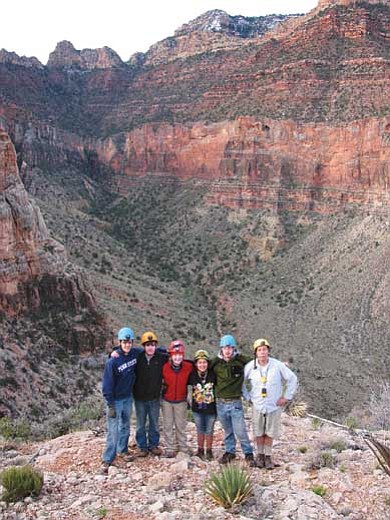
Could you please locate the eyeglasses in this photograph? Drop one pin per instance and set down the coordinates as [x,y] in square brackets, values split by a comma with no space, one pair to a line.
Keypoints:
[127,340]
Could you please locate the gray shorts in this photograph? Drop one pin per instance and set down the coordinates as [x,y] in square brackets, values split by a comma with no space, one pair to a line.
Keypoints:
[266,424]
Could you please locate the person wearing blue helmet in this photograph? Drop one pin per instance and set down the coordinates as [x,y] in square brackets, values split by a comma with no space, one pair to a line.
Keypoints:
[118,382]
[229,370]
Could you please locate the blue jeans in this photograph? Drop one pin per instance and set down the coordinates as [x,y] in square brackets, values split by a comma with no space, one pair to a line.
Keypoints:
[231,416]
[147,438]
[204,422]
[118,429]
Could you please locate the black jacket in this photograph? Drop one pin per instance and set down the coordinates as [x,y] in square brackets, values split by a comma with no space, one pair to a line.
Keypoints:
[148,376]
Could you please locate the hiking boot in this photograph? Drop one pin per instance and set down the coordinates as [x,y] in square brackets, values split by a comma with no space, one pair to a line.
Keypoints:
[268,462]
[126,457]
[103,470]
[155,451]
[209,455]
[260,460]
[200,453]
[169,454]
[227,457]
[143,453]
[250,460]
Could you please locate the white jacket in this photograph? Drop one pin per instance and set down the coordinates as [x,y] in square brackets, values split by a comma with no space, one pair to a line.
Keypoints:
[281,382]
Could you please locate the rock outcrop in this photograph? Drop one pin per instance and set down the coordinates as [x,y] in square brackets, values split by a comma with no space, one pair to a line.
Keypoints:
[66,56]
[23,61]
[34,272]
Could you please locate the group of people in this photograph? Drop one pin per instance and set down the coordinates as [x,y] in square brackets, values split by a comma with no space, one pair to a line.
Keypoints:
[154,378]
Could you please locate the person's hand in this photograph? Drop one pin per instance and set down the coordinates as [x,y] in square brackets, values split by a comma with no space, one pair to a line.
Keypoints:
[114,354]
[111,412]
[282,401]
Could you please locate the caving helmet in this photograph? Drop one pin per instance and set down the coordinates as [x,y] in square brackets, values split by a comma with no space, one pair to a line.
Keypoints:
[201,354]
[176,347]
[227,341]
[148,336]
[125,333]
[260,343]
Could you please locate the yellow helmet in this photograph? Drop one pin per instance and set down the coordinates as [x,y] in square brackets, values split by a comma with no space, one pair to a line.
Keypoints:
[148,336]
[260,343]
[201,354]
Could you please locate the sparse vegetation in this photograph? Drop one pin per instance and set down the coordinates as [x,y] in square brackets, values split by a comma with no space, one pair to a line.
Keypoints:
[319,490]
[231,486]
[14,429]
[20,482]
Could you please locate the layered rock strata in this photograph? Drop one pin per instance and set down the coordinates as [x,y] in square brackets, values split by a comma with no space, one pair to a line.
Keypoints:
[263,163]
[35,276]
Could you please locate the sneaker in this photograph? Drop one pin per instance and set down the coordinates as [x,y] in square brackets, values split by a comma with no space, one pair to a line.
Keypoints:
[156,451]
[250,460]
[268,462]
[103,470]
[260,460]
[143,453]
[227,457]
[209,455]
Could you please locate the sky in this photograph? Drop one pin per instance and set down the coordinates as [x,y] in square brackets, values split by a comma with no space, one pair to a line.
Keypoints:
[34,27]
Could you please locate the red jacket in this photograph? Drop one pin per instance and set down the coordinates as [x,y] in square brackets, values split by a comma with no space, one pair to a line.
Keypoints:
[176,381]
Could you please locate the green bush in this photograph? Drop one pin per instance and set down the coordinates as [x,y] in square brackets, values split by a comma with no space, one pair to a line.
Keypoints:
[230,486]
[10,429]
[20,482]
[319,490]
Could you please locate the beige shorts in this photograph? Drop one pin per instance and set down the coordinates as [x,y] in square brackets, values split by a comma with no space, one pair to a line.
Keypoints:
[266,424]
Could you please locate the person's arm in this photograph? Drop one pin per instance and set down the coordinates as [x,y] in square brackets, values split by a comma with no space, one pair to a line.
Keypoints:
[291,385]
[108,388]
[247,385]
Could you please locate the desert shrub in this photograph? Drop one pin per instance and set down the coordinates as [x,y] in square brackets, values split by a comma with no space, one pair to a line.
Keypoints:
[319,490]
[14,429]
[351,422]
[20,482]
[339,445]
[380,406]
[316,423]
[323,459]
[230,486]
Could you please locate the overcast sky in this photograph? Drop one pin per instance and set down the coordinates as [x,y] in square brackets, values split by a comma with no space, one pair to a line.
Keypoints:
[33,27]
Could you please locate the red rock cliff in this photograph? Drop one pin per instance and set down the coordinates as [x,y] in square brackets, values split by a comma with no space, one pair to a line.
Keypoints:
[35,275]
[257,163]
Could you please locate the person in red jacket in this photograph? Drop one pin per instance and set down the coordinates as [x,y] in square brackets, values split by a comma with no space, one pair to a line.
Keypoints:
[176,373]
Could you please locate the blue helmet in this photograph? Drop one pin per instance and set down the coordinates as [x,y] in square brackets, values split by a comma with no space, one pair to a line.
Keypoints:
[126,333]
[228,341]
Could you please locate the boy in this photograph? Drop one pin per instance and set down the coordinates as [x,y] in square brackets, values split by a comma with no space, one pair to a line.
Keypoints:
[118,381]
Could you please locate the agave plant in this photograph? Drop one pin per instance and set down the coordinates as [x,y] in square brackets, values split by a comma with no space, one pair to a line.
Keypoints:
[381,452]
[232,485]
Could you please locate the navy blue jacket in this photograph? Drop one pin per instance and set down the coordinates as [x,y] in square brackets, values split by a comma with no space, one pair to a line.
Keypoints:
[119,375]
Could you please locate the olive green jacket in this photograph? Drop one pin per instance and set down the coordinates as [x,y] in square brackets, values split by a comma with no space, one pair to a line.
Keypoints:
[230,376]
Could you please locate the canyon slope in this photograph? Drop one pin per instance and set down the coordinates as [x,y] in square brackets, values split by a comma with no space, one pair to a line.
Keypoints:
[47,312]
[233,178]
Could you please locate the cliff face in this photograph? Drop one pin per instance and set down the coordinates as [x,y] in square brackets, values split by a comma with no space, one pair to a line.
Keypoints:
[267,163]
[35,276]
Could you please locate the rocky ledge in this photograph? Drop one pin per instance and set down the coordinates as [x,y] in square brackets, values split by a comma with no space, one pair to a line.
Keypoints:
[171,489]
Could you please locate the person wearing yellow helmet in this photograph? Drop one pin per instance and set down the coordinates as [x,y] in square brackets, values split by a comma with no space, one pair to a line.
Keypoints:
[202,380]
[268,384]
[147,390]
